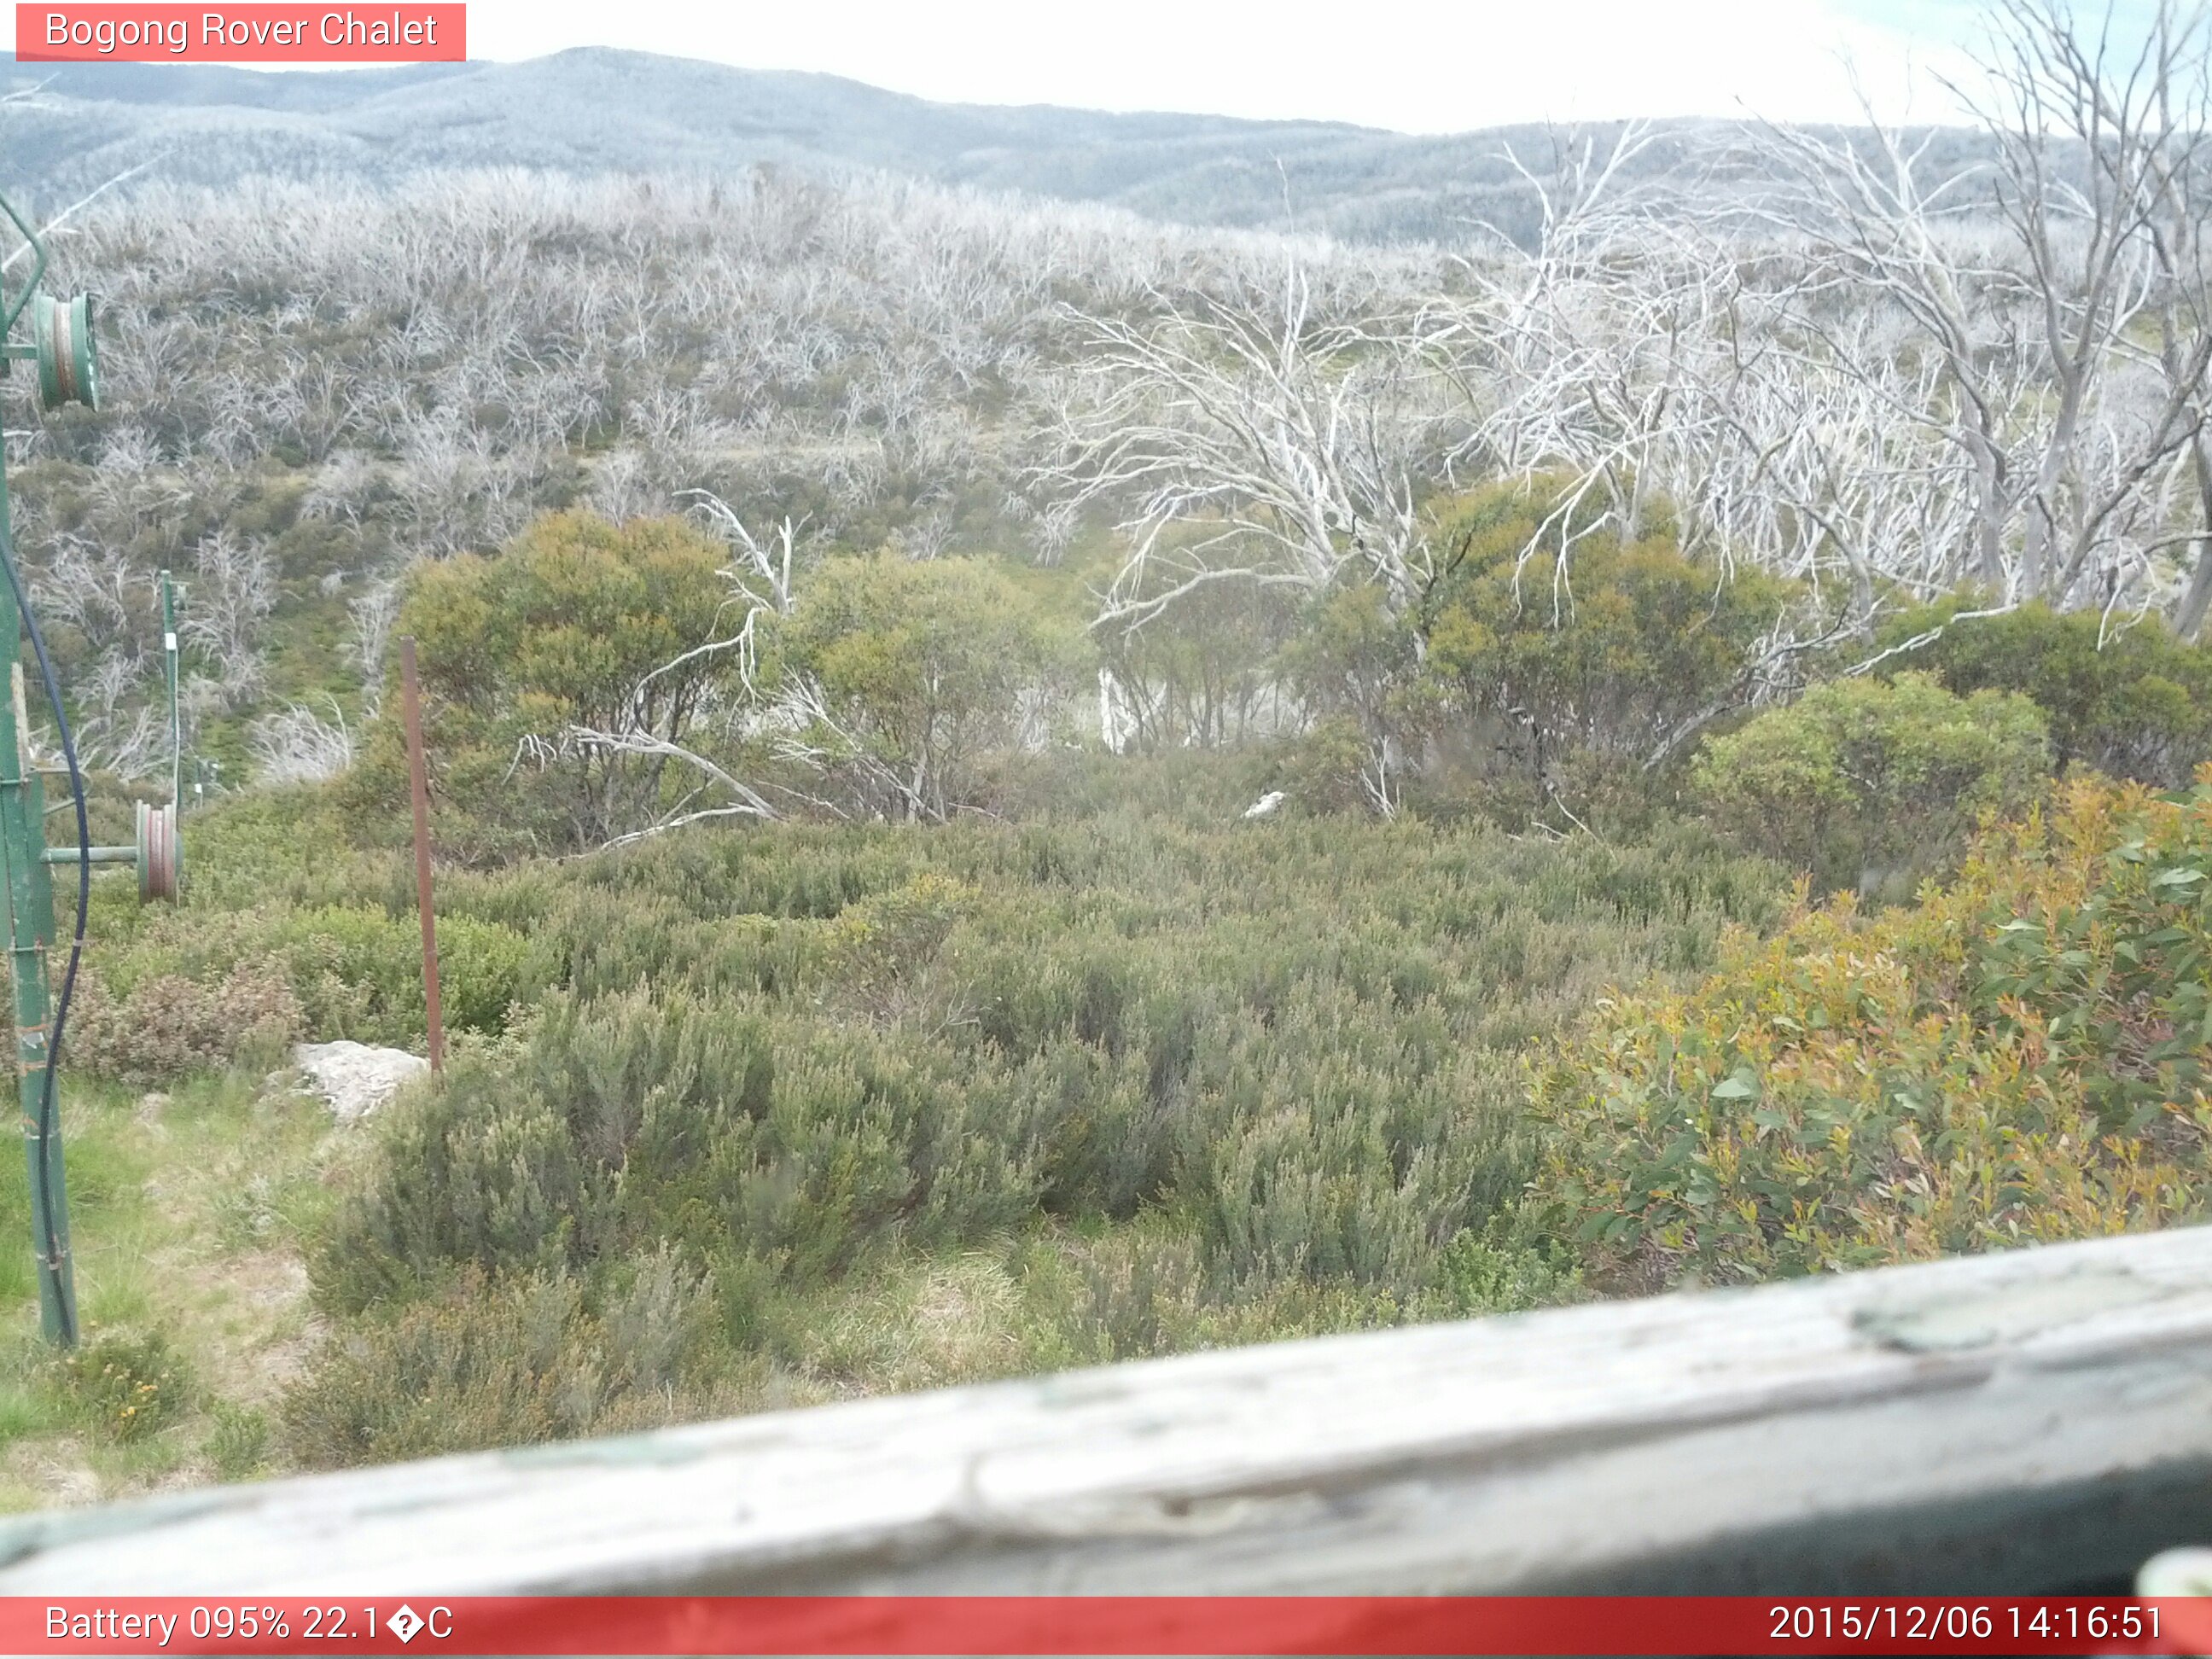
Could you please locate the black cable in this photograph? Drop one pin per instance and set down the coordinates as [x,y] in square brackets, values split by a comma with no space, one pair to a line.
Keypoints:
[76,945]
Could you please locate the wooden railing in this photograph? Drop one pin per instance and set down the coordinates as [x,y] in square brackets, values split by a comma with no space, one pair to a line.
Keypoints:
[2032,1421]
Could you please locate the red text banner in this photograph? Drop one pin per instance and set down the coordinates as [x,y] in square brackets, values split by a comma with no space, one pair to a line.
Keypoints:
[259,33]
[1117,1625]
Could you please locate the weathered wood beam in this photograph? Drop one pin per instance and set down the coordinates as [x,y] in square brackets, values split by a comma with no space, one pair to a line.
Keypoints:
[2035,1420]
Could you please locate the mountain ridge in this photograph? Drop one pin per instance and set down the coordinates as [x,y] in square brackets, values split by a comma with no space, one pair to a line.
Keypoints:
[601,109]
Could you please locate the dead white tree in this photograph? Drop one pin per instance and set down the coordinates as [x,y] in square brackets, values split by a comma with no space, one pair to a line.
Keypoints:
[2031,282]
[1870,366]
[229,605]
[61,219]
[760,575]
[2180,234]
[371,618]
[1625,364]
[1249,440]
[294,745]
[1582,351]
[1818,469]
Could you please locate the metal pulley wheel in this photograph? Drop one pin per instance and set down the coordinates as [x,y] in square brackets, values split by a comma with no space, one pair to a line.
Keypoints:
[161,858]
[68,361]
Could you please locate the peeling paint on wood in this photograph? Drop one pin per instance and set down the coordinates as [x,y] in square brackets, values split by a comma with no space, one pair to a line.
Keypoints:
[2036,1420]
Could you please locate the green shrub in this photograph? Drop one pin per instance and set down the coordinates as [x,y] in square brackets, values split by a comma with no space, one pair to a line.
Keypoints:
[2129,701]
[360,971]
[921,668]
[889,935]
[1869,783]
[562,628]
[239,1442]
[1617,651]
[1119,1083]
[128,1385]
[485,1363]
[2021,1059]
[1203,673]
[1358,666]
[1290,1046]
[350,970]
[169,1025]
[1499,1267]
[1328,767]
[636,1120]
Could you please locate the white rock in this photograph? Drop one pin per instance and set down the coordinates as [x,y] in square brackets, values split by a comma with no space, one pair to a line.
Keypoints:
[1266,803]
[353,1077]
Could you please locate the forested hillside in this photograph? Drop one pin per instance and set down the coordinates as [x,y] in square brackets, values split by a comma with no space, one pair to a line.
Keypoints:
[1015,784]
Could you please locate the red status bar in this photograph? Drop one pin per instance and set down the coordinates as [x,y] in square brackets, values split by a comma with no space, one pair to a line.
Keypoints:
[1130,1625]
[259,33]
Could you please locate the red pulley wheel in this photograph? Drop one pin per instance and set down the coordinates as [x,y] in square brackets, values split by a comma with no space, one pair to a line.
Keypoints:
[159,867]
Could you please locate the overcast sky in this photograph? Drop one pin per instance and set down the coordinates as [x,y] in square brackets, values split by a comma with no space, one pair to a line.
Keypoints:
[1416,66]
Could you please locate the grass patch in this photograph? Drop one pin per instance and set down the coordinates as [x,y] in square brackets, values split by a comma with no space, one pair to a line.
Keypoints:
[188,1212]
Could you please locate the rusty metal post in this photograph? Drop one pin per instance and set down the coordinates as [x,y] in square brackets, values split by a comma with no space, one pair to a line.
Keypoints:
[420,784]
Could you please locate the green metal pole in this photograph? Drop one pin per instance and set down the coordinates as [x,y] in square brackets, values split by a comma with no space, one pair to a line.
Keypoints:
[98,856]
[30,931]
